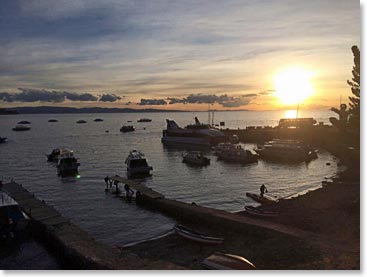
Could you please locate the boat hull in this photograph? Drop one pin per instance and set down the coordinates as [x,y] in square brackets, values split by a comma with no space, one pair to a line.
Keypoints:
[223,261]
[263,200]
[195,236]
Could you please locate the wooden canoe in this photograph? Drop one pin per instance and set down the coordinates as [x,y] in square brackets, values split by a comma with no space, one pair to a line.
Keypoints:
[224,261]
[196,236]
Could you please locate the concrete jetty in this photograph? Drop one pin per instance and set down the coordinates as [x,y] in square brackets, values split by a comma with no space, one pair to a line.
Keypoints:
[71,243]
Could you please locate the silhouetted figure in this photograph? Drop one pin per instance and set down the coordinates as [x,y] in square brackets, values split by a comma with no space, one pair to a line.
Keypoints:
[263,189]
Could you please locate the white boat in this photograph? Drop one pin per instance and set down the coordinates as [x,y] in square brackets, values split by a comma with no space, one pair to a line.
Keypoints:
[223,261]
[54,156]
[236,154]
[21,128]
[196,236]
[195,158]
[193,134]
[137,164]
[12,218]
[286,150]
[67,164]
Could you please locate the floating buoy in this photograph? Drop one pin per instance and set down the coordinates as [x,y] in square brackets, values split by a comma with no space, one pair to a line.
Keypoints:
[327,163]
[107,131]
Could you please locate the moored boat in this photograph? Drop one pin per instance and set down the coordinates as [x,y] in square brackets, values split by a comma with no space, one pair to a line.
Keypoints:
[259,212]
[21,128]
[237,154]
[195,158]
[2,139]
[67,165]
[53,120]
[136,164]
[24,122]
[81,121]
[265,199]
[144,120]
[223,261]
[98,120]
[127,128]
[54,155]
[196,236]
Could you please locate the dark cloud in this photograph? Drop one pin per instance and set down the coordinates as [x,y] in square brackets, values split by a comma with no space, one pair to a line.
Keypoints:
[144,102]
[173,100]
[109,98]
[267,92]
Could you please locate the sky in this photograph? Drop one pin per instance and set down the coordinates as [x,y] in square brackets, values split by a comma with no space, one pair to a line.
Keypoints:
[187,55]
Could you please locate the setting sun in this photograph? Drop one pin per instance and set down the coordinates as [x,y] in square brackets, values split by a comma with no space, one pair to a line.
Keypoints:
[293,85]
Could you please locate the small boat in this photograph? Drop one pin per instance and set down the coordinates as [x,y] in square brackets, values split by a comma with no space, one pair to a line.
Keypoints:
[21,128]
[196,236]
[81,121]
[195,158]
[127,128]
[54,156]
[144,120]
[98,120]
[224,261]
[137,165]
[265,199]
[53,120]
[67,165]
[234,139]
[259,212]
[2,139]
[24,122]
[237,154]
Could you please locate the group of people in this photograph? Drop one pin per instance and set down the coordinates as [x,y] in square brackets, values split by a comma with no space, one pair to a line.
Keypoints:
[129,192]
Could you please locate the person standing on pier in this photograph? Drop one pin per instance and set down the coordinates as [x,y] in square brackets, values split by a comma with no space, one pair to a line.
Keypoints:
[263,189]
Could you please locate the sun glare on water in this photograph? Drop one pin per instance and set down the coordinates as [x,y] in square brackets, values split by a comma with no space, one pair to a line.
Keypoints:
[293,85]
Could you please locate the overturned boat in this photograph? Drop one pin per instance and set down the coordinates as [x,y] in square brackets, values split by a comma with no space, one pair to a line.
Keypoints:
[196,236]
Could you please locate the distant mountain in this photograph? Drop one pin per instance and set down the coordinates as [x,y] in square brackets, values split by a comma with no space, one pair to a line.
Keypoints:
[58,110]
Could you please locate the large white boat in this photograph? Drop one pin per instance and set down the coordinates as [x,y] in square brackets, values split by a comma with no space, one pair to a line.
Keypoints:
[193,134]
[286,150]
[137,164]
[67,164]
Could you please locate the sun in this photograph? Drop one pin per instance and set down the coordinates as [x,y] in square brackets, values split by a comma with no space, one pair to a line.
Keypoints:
[293,85]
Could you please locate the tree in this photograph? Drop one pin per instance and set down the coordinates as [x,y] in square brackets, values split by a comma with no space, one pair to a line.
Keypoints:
[354,103]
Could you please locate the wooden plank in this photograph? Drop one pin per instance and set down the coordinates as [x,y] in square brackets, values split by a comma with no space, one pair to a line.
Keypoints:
[138,187]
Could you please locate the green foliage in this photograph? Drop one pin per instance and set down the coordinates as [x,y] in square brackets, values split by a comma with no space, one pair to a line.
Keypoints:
[354,103]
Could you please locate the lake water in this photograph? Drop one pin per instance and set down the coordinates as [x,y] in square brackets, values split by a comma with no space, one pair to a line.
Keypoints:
[111,220]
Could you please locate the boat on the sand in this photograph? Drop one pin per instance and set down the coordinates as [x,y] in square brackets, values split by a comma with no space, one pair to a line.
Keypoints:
[265,199]
[223,261]
[259,212]
[196,236]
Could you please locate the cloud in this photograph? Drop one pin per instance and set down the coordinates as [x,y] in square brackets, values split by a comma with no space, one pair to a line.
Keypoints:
[144,102]
[53,96]
[109,98]
[267,92]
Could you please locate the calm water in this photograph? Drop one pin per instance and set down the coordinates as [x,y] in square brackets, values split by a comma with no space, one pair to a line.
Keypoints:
[113,221]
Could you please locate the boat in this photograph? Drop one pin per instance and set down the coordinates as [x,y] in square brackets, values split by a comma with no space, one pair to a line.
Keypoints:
[265,199]
[223,261]
[67,164]
[195,158]
[24,122]
[237,154]
[98,120]
[21,128]
[144,120]
[259,212]
[193,134]
[127,128]
[2,139]
[196,236]
[54,156]
[53,120]
[137,164]
[286,150]
[12,218]
[81,121]
[234,139]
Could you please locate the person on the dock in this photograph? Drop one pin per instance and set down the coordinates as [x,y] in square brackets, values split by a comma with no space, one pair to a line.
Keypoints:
[263,189]
[129,193]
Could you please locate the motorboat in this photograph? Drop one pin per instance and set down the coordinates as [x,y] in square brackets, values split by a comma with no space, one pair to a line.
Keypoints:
[2,139]
[53,120]
[196,236]
[193,134]
[259,212]
[195,158]
[67,164]
[24,122]
[286,150]
[223,146]
[224,261]
[81,121]
[21,128]
[12,218]
[127,128]
[137,164]
[144,120]
[234,139]
[237,154]
[54,156]
[98,120]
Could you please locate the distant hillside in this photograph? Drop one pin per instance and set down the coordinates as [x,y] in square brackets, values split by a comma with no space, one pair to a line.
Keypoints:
[59,110]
